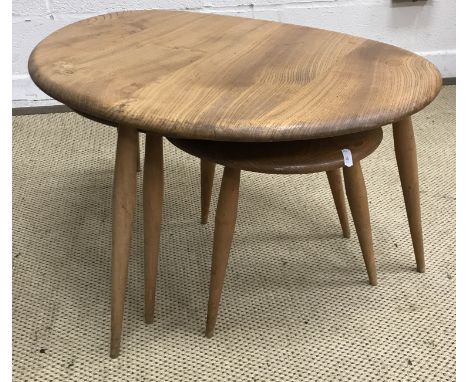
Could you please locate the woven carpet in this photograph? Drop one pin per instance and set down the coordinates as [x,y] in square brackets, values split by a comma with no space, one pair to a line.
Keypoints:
[296,303]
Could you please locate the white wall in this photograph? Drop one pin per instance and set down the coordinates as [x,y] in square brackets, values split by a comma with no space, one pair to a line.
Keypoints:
[425,27]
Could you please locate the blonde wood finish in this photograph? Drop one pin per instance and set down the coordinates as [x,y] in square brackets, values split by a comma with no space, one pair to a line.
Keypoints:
[357,198]
[405,150]
[214,77]
[226,214]
[207,170]
[123,206]
[293,157]
[336,186]
[153,189]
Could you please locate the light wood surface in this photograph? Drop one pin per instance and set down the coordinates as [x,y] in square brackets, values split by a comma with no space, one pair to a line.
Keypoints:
[214,77]
[336,186]
[292,157]
[123,206]
[225,222]
[405,151]
[153,190]
[207,171]
[357,198]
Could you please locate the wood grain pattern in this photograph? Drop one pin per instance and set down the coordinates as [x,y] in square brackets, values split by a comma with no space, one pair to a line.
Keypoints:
[205,76]
[291,157]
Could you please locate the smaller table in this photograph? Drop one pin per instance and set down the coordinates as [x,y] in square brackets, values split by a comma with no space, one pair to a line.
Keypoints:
[292,157]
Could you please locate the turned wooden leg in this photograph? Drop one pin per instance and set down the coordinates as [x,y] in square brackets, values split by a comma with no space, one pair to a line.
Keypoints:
[138,156]
[123,206]
[207,170]
[357,197]
[153,185]
[336,186]
[226,213]
[405,151]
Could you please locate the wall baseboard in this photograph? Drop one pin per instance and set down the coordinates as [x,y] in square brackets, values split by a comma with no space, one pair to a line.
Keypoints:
[46,109]
[449,81]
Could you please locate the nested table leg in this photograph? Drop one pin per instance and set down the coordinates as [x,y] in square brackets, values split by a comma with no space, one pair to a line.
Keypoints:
[226,213]
[153,189]
[207,170]
[357,197]
[405,151]
[123,206]
[336,186]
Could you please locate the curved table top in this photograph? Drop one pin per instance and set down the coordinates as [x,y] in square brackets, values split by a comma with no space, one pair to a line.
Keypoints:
[204,76]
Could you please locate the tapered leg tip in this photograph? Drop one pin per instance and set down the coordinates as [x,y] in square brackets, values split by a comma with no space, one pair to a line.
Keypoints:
[209,330]
[204,218]
[346,234]
[149,320]
[373,282]
[421,269]
[115,347]
[114,353]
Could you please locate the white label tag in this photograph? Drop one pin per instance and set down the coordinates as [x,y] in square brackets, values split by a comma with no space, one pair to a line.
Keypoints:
[348,157]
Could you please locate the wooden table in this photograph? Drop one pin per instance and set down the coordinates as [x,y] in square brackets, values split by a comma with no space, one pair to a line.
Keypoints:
[204,76]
